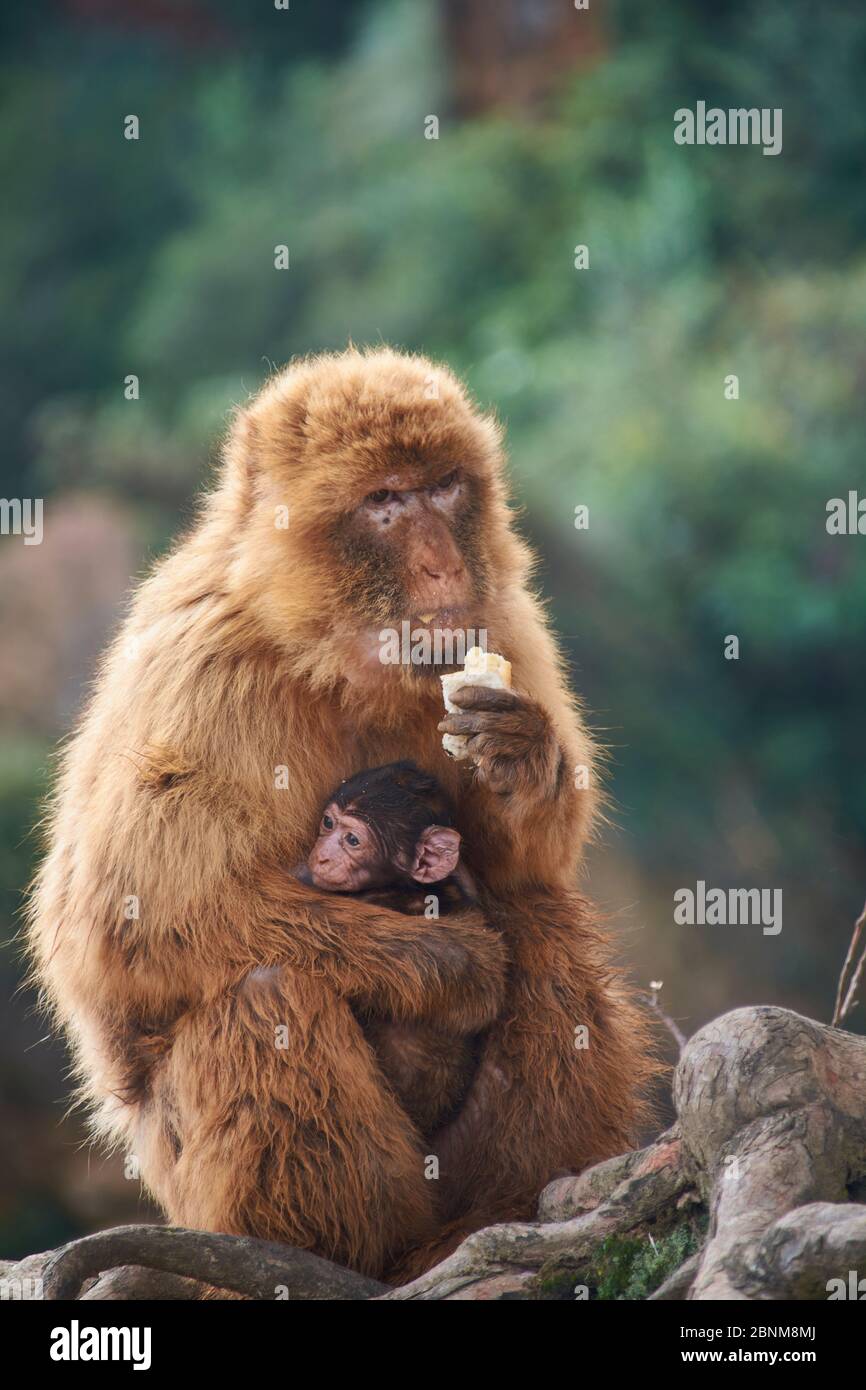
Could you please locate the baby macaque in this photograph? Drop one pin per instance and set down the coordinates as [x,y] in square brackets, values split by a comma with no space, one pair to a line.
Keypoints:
[386,835]
[389,828]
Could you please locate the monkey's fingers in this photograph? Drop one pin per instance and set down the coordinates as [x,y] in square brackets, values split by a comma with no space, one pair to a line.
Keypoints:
[497,725]
[482,697]
[492,751]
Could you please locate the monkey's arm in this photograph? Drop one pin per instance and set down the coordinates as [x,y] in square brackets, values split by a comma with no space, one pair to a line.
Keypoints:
[530,806]
[175,947]
[525,770]
[398,966]
[403,966]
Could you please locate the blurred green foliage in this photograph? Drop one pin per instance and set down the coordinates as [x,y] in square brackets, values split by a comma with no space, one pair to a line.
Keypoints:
[23,778]
[706,515]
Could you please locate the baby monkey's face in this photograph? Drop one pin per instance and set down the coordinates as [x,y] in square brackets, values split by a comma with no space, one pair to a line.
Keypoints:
[347,856]
[350,856]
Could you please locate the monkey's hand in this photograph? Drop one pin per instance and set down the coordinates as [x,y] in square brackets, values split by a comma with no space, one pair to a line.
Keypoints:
[302,872]
[451,973]
[511,740]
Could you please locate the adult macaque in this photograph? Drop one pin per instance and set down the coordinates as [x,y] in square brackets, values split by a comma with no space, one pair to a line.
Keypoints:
[244,684]
[387,834]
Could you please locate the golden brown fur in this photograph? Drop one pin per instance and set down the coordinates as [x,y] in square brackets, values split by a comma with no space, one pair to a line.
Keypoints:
[243,652]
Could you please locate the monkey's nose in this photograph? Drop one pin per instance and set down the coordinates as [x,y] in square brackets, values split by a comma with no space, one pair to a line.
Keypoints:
[441,572]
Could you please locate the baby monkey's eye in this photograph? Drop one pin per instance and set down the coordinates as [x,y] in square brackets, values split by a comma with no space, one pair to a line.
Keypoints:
[447,480]
[381,495]
[352,839]
[327,823]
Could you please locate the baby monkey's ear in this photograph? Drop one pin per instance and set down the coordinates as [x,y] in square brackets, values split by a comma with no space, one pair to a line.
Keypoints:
[437,854]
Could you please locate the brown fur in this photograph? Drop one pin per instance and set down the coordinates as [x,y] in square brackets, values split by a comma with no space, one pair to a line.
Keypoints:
[428,1070]
[242,652]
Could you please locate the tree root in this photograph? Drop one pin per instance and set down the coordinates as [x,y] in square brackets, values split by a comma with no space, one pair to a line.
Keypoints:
[772,1111]
[257,1269]
[770,1140]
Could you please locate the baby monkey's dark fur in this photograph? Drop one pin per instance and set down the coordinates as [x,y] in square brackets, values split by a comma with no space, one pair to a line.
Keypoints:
[428,1070]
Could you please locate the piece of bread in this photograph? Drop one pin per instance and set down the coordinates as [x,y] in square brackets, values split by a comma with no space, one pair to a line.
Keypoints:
[481,668]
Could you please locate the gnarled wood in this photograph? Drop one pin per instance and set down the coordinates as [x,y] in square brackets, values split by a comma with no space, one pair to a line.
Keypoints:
[770,1136]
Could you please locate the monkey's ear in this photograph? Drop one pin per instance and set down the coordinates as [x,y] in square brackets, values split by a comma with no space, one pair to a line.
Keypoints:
[437,854]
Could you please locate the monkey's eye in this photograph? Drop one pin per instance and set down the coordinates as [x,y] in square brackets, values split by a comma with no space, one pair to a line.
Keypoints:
[380,496]
[352,840]
[327,823]
[446,481]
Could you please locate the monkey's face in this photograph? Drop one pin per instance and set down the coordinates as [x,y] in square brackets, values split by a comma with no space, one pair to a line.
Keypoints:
[370,495]
[409,548]
[347,856]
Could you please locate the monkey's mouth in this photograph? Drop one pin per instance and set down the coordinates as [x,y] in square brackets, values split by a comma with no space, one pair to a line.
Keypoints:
[446,619]
[430,642]
[327,882]
[437,640]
